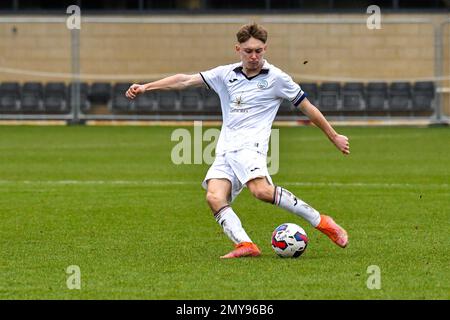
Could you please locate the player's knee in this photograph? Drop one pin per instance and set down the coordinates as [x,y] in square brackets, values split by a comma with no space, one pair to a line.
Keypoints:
[214,200]
[262,193]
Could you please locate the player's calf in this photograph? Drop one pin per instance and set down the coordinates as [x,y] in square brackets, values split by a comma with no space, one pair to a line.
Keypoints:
[288,201]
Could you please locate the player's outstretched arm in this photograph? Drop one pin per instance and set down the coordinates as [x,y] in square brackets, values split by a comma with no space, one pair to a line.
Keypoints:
[175,82]
[340,141]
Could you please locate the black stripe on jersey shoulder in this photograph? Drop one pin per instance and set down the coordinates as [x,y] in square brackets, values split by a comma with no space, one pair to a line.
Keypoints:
[204,80]
[303,96]
[297,95]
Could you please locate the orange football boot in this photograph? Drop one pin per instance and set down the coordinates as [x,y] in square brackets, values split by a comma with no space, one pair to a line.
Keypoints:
[243,249]
[335,232]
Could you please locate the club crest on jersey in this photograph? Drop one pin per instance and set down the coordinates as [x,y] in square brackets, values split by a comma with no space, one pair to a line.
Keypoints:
[262,84]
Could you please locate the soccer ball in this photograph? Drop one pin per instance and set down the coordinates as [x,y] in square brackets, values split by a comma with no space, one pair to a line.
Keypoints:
[289,240]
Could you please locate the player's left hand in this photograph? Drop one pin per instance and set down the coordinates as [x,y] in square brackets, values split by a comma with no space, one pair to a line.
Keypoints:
[341,142]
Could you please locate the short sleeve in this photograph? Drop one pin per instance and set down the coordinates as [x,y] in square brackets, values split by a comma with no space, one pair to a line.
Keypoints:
[214,78]
[289,90]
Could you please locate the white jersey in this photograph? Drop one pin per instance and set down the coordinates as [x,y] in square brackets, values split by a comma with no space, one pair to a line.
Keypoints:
[249,105]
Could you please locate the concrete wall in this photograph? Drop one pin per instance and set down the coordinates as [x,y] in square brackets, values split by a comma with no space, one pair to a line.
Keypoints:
[333,51]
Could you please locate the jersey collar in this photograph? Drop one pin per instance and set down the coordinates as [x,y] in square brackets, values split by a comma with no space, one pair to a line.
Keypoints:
[264,70]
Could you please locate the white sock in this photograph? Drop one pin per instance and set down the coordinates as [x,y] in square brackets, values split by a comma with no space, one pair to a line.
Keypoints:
[231,225]
[286,200]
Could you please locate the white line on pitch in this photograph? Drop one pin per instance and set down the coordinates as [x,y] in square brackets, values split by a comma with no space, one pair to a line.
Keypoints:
[171,182]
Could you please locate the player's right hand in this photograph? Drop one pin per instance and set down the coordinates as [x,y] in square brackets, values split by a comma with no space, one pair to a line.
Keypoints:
[341,142]
[134,90]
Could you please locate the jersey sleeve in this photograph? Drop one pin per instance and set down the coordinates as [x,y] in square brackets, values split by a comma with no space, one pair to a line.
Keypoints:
[290,90]
[214,78]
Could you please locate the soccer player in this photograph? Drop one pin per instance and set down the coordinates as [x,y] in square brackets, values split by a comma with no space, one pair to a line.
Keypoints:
[251,92]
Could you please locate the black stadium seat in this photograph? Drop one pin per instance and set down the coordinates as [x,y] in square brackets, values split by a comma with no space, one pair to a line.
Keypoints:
[55,87]
[311,91]
[422,96]
[32,94]
[168,101]
[145,102]
[329,95]
[399,96]
[121,87]
[10,87]
[9,96]
[190,99]
[119,101]
[100,92]
[55,97]
[35,87]
[353,96]
[211,102]
[376,95]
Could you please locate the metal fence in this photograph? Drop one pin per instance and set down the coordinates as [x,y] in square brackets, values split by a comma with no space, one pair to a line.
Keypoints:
[44,39]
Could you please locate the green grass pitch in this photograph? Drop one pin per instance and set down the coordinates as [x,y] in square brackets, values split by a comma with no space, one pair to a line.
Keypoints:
[109,200]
